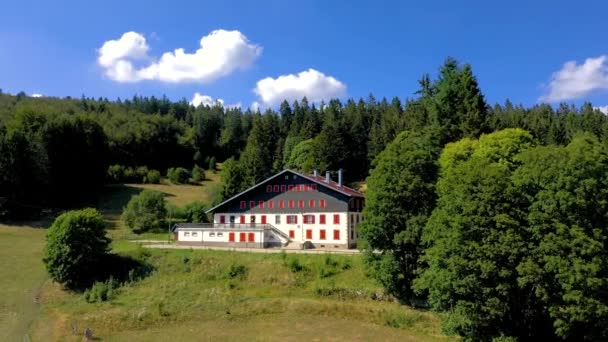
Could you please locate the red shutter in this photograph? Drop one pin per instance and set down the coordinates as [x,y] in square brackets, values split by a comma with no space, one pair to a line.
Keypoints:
[263,219]
[242,237]
[281,204]
[322,219]
[222,219]
[295,219]
[322,203]
[270,204]
[311,203]
[300,204]
[251,204]
[313,218]
[242,219]
[275,188]
[243,205]
[290,187]
[283,188]
[308,234]
[322,234]
[251,237]
[336,219]
[231,237]
[268,188]
[292,234]
[261,204]
[314,187]
[336,234]
[291,204]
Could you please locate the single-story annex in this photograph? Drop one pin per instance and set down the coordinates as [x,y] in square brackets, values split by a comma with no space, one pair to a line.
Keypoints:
[289,208]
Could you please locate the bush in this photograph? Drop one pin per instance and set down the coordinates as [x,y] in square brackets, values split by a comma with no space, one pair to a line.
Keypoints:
[123,174]
[295,266]
[101,291]
[76,246]
[237,271]
[198,174]
[153,177]
[211,164]
[146,211]
[178,175]
[195,212]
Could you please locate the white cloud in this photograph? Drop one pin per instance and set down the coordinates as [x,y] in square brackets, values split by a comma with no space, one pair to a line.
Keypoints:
[575,81]
[315,85]
[603,109]
[206,100]
[221,52]
[255,106]
[36,95]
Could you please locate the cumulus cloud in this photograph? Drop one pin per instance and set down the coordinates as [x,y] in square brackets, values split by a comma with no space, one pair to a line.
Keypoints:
[315,85]
[221,52]
[36,95]
[603,109]
[575,81]
[199,99]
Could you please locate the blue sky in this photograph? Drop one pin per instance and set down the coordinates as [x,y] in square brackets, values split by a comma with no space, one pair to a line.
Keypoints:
[518,49]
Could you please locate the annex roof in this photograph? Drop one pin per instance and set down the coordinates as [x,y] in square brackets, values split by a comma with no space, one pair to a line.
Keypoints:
[316,179]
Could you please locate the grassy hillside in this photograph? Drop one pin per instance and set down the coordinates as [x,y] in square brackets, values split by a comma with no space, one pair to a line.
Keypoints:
[209,295]
[21,277]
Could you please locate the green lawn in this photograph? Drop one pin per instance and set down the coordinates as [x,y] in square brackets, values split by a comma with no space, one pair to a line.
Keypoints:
[21,277]
[192,296]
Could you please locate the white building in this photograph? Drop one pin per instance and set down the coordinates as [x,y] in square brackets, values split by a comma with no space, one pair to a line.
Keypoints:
[287,208]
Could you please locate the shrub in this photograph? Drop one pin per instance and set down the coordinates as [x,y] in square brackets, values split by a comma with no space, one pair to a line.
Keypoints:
[178,175]
[101,291]
[115,173]
[295,266]
[237,271]
[211,164]
[145,211]
[153,177]
[196,212]
[198,174]
[76,246]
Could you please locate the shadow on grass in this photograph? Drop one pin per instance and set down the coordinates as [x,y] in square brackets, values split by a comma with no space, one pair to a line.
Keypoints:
[113,198]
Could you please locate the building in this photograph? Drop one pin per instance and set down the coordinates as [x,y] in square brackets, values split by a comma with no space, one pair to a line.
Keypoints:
[287,209]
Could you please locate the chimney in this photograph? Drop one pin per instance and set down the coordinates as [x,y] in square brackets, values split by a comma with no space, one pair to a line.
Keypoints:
[327,176]
[340,177]
[315,173]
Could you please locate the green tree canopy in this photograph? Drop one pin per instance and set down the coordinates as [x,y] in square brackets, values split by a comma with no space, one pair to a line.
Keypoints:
[146,211]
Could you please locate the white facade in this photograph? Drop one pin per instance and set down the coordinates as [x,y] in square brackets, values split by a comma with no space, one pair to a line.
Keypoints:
[327,234]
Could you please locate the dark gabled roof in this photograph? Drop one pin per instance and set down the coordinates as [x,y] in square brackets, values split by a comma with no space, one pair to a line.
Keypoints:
[350,192]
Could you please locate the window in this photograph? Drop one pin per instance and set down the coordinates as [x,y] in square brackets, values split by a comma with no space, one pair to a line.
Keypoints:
[230,237]
[210,234]
[322,203]
[311,203]
[251,204]
[222,219]
[291,204]
[283,188]
[252,218]
[352,234]
[322,219]
[306,187]
[186,233]
[270,204]
[220,234]
[243,205]
[292,219]
[336,234]
[310,219]
[313,187]
[263,219]
[194,234]
[261,204]
[292,234]
[268,188]
[300,187]
[322,234]
[242,219]
[242,237]
[308,234]
[352,219]
[336,218]
[275,188]
[251,237]
[277,219]
[290,187]
[281,204]
[300,204]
